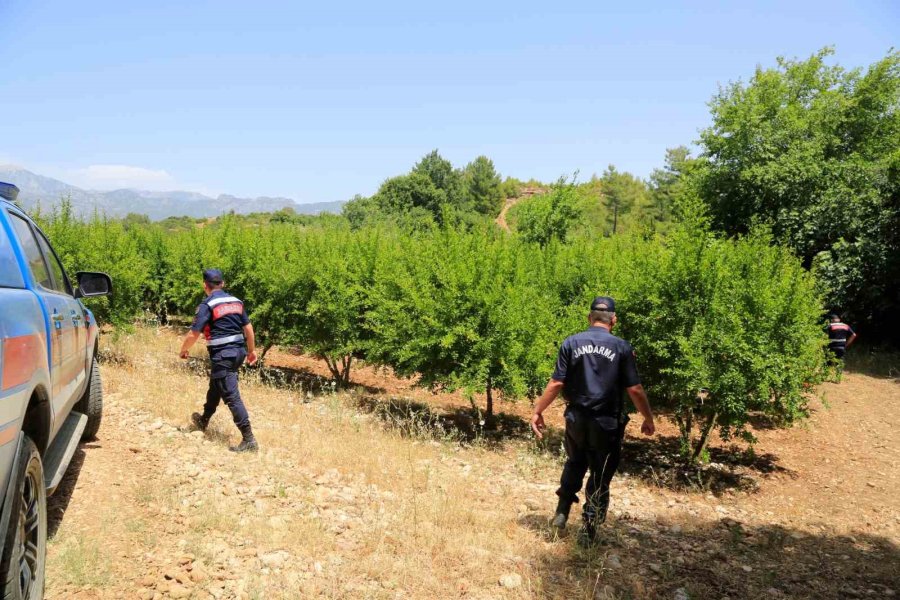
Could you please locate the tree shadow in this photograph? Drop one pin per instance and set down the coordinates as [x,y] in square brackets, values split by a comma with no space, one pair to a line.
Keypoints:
[280,377]
[58,503]
[658,461]
[463,425]
[639,558]
[881,363]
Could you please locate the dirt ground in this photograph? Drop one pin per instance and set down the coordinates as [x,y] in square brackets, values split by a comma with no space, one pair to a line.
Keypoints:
[393,492]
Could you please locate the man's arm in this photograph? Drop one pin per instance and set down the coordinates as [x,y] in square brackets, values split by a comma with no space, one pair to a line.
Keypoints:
[250,337]
[554,387]
[189,340]
[852,338]
[639,398]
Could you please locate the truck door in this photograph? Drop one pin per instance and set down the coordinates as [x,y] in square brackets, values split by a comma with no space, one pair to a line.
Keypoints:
[66,318]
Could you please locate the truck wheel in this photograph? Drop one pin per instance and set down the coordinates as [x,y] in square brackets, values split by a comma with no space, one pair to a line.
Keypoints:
[91,403]
[25,551]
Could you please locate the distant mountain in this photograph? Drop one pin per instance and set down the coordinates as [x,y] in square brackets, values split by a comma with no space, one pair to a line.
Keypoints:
[47,192]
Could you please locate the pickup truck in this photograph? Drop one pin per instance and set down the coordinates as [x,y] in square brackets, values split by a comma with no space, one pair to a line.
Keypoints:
[50,393]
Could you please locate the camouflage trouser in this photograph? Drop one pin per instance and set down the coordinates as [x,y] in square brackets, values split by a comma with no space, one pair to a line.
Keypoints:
[593,443]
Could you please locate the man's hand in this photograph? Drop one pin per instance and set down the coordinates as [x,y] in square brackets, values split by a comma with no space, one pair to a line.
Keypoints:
[647,427]
[537,425]
[189,340]
[251,358]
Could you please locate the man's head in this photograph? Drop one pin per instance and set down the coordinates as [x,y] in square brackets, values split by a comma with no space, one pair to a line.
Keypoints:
[834,317]
[213,280]
[603,311]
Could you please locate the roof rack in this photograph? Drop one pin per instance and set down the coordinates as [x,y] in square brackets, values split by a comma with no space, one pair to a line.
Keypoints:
[8,191]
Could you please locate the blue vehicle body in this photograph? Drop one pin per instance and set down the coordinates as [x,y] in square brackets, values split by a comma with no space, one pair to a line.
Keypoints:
[48,343]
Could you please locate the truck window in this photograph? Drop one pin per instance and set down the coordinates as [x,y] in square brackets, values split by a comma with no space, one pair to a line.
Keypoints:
[32,251]
[9,268]
[60,283]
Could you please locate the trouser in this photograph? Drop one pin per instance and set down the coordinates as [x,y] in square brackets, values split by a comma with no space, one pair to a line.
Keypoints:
[838,351]
[223,386]
[593,443]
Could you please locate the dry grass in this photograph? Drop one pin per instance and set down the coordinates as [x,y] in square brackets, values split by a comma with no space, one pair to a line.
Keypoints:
[377,506]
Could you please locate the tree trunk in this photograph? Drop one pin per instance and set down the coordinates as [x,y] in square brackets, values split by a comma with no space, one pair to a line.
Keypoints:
[490,399]
[345,376]
[335,372]
[265,351]
[704,437]
[615,217]
[685,421]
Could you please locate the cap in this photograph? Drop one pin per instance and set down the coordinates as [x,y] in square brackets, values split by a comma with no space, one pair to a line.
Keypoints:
[213,276]
[604,303]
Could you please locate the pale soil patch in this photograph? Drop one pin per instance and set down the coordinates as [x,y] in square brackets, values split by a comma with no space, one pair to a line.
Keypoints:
[341,505]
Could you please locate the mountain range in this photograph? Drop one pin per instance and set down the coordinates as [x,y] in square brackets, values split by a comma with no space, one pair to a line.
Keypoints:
[46,192]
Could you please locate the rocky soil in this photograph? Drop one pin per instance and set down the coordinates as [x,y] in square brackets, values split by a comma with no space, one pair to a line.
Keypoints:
[342,503]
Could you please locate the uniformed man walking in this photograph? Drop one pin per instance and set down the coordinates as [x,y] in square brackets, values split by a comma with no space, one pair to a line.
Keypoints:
[593,370]
[840,336]
[223,321]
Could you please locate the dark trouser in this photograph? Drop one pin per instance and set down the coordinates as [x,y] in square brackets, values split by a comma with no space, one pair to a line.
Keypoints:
[223,386]
[593,444]
[838,351]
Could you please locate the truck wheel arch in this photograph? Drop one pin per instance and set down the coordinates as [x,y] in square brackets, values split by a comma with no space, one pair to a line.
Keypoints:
[38,419]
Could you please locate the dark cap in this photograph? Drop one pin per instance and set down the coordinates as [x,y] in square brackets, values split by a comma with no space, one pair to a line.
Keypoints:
[213,276]
[604,303]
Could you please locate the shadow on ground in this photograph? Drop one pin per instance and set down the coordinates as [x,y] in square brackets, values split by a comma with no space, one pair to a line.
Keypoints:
[58,503]
[654,460]
[300,380]
[464,425]
[720,559]
[883,363]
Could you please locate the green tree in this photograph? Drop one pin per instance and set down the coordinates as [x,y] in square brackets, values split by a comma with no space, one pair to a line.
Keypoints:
[444,177]
[813,151]
[483,186]
[669,185]
[549,216]
[621,193]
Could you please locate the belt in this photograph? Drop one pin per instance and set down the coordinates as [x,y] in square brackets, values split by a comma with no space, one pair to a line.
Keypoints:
[226,340]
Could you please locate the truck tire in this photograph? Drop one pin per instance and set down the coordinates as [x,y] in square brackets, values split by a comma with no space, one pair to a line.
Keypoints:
[91,403]
[23,564]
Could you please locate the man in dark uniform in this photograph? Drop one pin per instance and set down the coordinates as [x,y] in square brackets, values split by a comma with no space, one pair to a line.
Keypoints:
[224,323]
[840,336]
[593,370]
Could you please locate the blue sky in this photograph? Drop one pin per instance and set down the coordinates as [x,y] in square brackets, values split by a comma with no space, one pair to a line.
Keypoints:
[321,101]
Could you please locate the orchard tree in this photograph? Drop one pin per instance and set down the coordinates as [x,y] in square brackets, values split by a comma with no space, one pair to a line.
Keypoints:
[549,216]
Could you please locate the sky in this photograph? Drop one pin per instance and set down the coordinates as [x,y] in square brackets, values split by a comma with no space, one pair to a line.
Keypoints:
[322,101]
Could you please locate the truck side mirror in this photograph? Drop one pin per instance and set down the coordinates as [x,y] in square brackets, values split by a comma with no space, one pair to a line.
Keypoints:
[92,285]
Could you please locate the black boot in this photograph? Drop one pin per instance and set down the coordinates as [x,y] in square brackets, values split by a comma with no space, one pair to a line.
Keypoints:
[562,514]
[248,443]
[199,421]
[587,536]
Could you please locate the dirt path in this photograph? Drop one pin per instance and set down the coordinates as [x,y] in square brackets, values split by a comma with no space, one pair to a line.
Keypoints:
[345,504]
[501,218]
[527,192]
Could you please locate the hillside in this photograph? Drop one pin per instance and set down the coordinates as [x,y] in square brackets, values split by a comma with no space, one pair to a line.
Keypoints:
[38,190]
[363,495]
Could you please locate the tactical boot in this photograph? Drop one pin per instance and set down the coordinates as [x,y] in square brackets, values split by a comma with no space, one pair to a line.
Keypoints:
[200,421]
[587,536]
[248,444]
[562,515]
